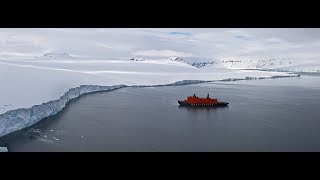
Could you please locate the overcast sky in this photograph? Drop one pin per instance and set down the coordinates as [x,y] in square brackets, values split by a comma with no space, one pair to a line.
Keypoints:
[162,42]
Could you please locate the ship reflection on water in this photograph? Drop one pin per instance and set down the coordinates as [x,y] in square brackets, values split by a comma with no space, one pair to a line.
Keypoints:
[202,111]
[201,108]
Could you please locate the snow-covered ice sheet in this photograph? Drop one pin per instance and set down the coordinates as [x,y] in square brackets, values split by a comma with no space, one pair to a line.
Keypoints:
[24,84]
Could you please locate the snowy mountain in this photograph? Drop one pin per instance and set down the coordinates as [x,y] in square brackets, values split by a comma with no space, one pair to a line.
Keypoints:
[137,59]
[202,64]
[236,63]
[54,56]
[258,64]
[197,62]
[310,67]
[176,59]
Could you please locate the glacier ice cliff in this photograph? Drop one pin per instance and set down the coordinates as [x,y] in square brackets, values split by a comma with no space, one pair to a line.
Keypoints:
[18,119]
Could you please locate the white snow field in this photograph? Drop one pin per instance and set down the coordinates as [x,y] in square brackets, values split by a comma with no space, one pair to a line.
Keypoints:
[34,89]
[276,64]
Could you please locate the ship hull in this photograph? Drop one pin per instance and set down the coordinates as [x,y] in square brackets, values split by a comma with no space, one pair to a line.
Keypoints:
[219,104]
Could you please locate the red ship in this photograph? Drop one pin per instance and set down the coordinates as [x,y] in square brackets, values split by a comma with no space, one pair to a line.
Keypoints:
[196,101]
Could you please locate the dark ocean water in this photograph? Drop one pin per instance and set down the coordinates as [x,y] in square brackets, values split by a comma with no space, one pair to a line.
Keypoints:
[264,115]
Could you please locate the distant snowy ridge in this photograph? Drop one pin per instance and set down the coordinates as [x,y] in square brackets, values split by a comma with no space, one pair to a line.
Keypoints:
[137,59]
[257,64]
[277,64]
[313,67]
[235,63]
[175,59]
[202,64]
[56,56]
[272,64]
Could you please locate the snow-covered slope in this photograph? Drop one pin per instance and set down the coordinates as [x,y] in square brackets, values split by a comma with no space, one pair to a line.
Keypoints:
[257,64]
[304,68]
[56,56]
[178,59]
[137,59]
[311,67]
[283,64]
[32,90]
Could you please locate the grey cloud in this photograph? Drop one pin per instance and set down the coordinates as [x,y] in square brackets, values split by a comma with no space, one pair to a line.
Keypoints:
[126,42]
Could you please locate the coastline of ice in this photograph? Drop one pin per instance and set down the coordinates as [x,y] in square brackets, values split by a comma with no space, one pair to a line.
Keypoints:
[34,90]
[18,119]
